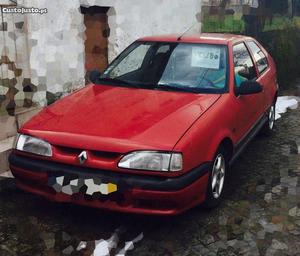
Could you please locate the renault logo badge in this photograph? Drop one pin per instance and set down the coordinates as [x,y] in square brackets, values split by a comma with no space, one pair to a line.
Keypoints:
[82,157]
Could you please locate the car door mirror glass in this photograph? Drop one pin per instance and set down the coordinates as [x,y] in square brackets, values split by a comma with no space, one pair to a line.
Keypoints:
[248,88]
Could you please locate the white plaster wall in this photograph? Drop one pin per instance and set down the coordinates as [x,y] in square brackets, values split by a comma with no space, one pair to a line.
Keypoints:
[137,18]
[55,41]
[131,19]
[56,47]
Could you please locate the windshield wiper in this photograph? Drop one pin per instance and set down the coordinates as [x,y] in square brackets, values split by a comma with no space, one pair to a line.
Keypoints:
[170,87]
[118,81]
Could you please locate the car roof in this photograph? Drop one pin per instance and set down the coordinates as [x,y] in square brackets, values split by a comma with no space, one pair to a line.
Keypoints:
[210,38]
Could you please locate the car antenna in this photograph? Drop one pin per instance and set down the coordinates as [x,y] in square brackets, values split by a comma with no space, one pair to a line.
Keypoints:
[179,38]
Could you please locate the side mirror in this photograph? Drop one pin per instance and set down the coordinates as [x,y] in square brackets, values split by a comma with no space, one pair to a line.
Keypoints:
[248,88]
[244,73]
[94,75]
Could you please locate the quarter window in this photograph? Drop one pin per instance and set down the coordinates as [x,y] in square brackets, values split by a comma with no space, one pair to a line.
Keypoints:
[244,68]
[259,56]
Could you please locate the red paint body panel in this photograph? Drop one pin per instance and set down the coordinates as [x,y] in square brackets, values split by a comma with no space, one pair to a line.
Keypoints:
[94,118]
[207,38]
[116,119]
[135,201]
[110,121]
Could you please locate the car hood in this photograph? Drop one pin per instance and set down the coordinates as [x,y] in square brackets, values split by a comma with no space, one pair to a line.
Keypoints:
[119,119]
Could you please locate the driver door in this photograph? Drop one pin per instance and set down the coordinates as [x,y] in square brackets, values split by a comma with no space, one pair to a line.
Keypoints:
[249,107]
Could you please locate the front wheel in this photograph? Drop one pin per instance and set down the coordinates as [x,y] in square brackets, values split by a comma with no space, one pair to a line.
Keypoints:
[268,128]
[216,180]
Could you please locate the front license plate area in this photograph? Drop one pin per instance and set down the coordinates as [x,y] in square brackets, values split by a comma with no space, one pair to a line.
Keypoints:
[72,184]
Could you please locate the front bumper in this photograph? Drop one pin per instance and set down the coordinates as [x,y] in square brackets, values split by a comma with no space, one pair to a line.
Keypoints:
[135,194]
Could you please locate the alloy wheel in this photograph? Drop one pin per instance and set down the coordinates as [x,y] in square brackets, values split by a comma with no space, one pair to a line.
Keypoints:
[218,176]
[271,117]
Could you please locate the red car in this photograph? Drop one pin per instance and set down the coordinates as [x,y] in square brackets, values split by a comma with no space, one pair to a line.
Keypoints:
[157,131]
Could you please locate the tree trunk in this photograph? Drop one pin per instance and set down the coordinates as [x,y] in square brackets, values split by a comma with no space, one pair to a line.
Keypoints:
[290,8]
[222,9]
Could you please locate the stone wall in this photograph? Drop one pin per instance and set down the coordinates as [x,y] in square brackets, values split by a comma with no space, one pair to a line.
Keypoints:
[129,20]
[42,56]
[14,64]
[56,48]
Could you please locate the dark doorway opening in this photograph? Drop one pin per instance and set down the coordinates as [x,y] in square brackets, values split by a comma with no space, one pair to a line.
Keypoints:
[97,33]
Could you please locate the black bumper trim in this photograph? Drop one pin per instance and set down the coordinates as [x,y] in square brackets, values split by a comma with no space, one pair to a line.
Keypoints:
[129,180]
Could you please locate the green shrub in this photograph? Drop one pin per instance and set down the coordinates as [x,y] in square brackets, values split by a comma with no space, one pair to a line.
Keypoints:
[281,37]
[283,45]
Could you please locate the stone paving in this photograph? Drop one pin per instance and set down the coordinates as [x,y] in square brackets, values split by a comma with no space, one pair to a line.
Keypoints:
[260,214]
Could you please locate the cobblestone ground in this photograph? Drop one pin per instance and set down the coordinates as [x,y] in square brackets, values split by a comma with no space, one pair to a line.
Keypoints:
[259,216]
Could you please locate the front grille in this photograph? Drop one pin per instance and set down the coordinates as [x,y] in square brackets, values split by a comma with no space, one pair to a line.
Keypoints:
[68,151]
[99,155]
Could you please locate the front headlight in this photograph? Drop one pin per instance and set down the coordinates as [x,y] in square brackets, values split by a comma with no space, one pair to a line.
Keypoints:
[152,161]
[32,145]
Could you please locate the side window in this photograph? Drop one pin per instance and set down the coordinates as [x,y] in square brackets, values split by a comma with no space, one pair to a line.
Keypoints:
[244,68]
[259,56]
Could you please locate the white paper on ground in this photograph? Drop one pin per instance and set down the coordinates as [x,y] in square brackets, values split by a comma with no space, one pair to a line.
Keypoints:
[285,102]
[104,247]
[130,245]
[82,245]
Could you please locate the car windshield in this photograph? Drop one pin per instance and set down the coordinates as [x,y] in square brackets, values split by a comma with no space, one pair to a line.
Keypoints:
[198,68]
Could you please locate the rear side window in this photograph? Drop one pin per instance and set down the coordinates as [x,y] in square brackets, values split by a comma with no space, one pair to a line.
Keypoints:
[259,56]
[244,68]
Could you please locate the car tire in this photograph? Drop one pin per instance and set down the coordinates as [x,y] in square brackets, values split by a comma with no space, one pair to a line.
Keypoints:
[216,182]
[268,128]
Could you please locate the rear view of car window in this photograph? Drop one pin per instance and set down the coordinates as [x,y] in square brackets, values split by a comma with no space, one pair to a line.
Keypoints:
[244,68]
[259,56]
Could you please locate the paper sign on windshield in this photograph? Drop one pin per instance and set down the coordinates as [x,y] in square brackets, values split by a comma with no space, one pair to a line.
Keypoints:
[206,57]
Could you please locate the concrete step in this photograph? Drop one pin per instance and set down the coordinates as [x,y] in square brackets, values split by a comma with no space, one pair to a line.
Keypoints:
[9,126]
[24,114]
[6,175]
[5,149]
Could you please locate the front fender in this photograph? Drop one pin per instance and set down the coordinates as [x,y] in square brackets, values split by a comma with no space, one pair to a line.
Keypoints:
[200,143]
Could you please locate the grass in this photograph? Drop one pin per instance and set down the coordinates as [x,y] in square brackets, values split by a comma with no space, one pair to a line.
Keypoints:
[281,23]
[235,24]
[230,24]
